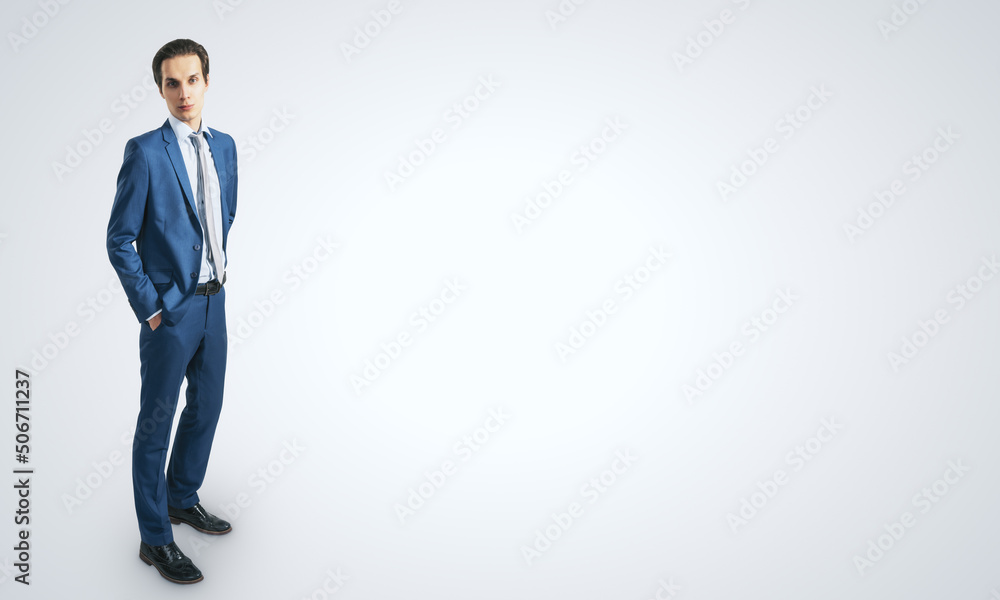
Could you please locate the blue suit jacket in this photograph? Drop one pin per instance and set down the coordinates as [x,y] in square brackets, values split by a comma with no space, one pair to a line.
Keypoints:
[155,208]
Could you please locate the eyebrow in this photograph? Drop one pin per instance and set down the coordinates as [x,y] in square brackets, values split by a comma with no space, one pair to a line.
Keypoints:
[195,74]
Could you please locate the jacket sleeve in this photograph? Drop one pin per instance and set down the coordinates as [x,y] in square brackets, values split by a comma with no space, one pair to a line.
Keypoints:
[124,228]
[236,178]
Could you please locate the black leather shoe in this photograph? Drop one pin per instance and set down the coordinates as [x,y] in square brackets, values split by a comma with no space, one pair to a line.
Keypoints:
[199,518]
[170,562]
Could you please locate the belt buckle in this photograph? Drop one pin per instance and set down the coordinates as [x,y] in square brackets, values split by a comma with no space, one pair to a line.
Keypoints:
[213,287]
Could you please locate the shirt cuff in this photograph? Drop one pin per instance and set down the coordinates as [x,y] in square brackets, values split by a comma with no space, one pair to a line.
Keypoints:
[153,315]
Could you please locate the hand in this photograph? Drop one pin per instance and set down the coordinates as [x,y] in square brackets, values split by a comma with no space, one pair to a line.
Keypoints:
[154,322]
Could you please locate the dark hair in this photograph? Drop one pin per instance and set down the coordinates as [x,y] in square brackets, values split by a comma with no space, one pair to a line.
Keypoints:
[180,47]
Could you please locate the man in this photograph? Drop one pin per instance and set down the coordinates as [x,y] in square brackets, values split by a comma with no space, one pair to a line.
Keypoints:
[175,202]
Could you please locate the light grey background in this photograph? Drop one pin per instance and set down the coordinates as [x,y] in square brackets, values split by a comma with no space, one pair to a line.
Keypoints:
[330,507]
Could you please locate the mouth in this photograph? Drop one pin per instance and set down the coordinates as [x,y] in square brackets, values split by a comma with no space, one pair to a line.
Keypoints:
[186,107]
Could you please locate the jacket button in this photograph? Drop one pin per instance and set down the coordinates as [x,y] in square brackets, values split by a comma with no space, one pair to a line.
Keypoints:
[197,247]
[194,276]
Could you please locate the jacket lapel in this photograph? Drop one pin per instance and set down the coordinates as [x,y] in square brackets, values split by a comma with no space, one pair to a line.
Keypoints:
[222,169]
[174,154]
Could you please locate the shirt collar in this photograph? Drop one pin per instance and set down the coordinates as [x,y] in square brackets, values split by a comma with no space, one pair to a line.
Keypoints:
[182,130]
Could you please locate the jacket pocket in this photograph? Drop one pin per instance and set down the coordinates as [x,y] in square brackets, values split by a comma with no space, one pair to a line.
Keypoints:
[160,279]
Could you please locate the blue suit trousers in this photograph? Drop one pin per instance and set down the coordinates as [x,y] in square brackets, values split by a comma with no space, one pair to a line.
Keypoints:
[193,348]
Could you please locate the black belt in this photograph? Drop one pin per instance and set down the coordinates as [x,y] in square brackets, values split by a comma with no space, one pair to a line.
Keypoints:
[210,288]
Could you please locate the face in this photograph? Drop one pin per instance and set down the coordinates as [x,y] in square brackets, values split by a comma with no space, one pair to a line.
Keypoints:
[184,88]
